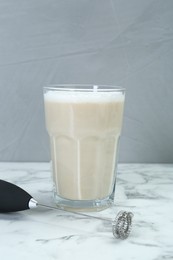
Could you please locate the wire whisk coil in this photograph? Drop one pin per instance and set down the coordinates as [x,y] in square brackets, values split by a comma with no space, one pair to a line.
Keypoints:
[122,225]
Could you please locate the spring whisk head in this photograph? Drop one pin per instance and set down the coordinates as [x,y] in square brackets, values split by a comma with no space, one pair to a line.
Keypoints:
[122,225]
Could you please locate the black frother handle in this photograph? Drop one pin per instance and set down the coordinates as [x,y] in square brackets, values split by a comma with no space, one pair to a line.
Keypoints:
[13,198]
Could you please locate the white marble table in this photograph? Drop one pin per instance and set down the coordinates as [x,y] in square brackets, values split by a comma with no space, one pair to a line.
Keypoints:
[43,234]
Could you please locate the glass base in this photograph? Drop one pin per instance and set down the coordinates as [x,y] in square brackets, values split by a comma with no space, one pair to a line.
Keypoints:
[83,205]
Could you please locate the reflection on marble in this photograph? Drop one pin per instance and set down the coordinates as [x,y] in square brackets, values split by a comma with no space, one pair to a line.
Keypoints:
[42,234]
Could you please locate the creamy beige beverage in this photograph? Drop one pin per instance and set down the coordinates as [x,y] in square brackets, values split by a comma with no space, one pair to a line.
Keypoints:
[84,130]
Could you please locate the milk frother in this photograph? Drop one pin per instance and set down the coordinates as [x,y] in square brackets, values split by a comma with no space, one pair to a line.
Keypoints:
[13,198]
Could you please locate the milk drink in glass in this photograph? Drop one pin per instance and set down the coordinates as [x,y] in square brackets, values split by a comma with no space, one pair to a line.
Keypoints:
[84,125]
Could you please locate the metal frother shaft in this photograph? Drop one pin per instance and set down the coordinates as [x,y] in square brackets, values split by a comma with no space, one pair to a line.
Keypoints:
[121,225]
[13,198]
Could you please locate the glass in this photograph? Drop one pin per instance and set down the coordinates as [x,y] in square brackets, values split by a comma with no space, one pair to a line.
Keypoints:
[84,124]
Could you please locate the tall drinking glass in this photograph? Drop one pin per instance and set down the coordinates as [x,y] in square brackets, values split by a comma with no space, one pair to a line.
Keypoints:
[84,124]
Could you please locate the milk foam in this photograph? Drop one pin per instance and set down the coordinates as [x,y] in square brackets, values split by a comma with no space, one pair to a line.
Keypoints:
[73,96]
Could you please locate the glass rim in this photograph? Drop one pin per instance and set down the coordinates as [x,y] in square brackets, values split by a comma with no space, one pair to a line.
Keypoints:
[84,87]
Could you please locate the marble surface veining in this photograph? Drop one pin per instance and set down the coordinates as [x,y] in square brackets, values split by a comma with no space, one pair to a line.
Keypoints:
[44,234]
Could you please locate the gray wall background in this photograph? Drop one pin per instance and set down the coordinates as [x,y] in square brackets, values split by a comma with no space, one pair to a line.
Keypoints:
[119,42]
